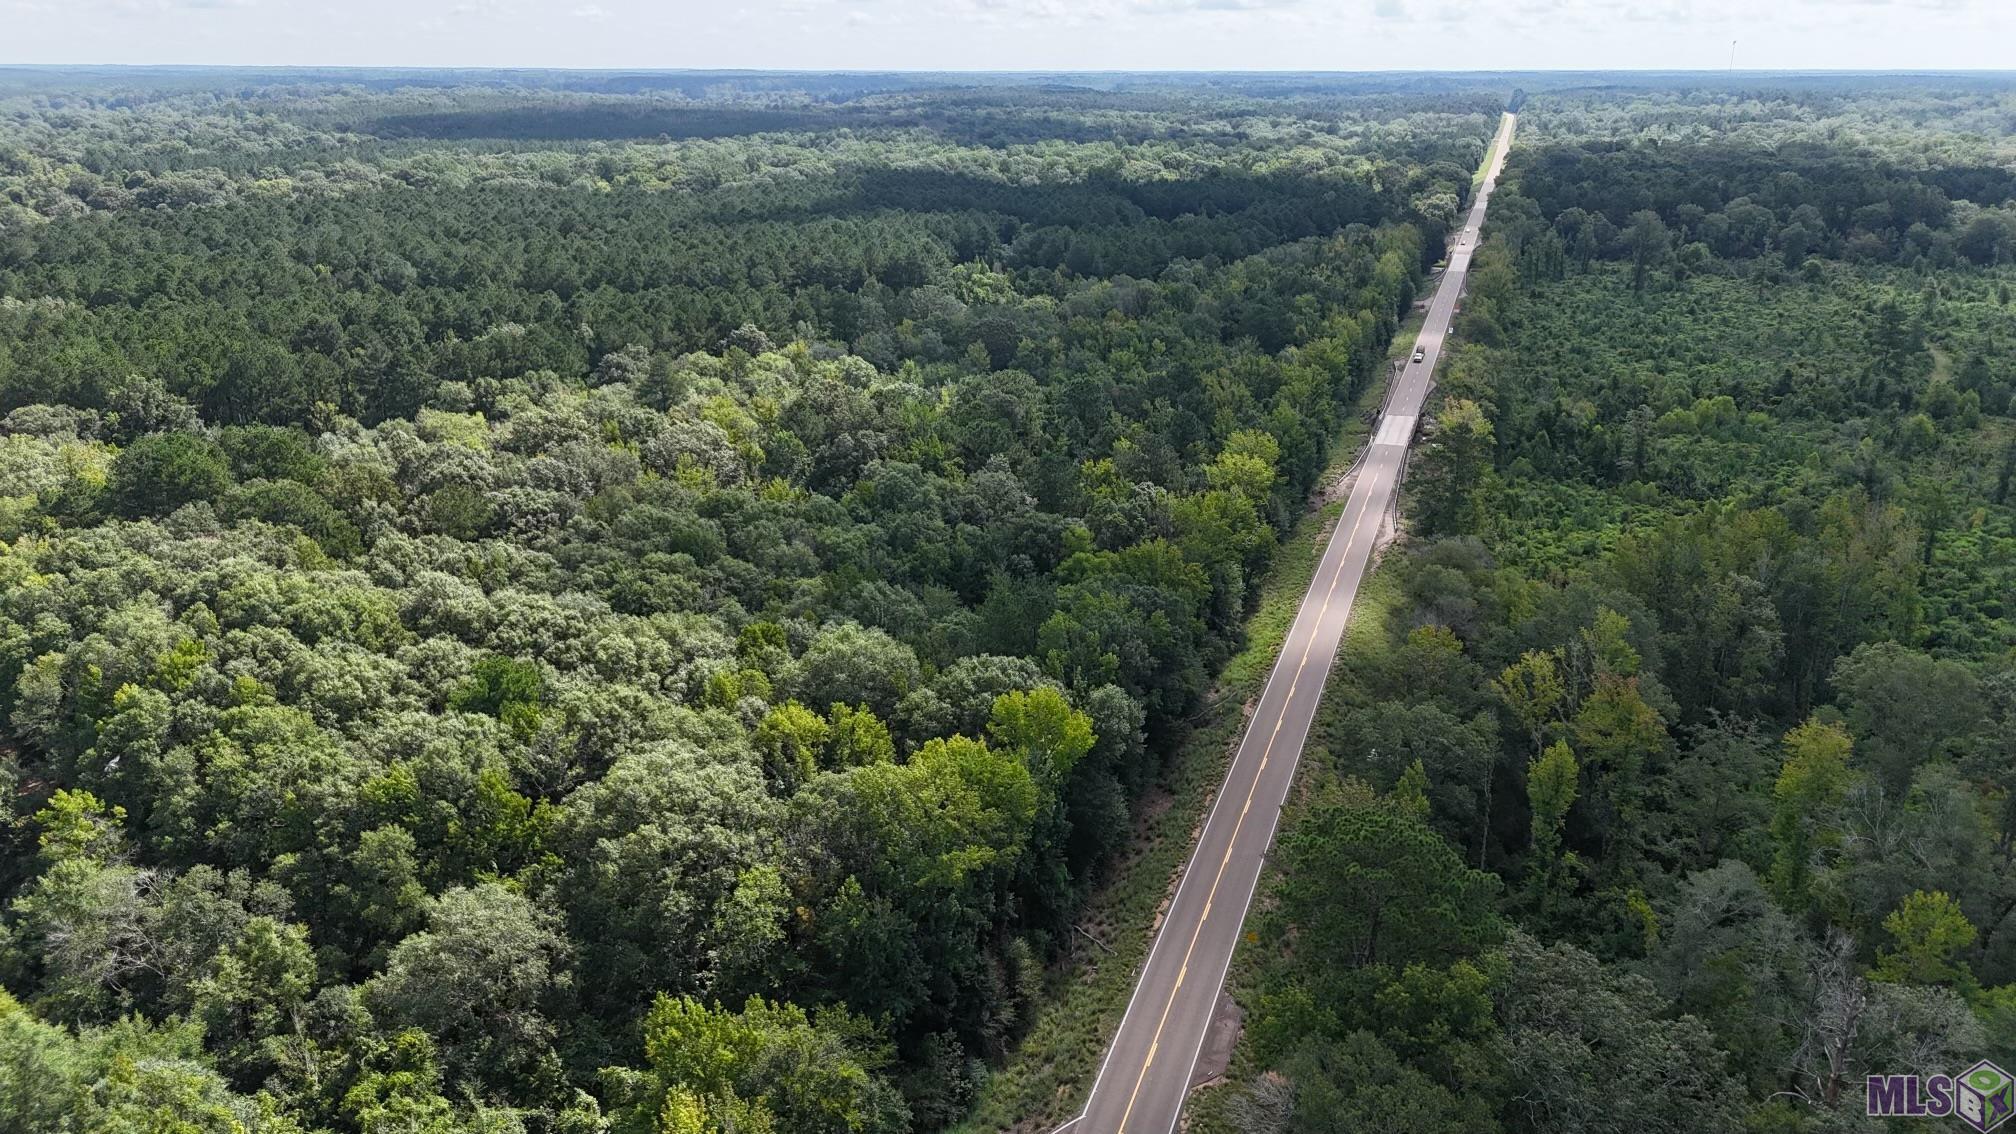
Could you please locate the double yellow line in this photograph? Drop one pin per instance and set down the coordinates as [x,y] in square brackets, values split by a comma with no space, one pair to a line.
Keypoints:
[1501,142]
[1183,971]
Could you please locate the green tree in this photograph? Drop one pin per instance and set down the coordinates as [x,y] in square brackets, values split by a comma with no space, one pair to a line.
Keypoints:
[1041,728]
[1930,933]
[1651,245]
[1551,782]
[132,1076]
[1365,883]
[484,979]
[1455,757]
[252,1004]
[1811,785]
[1410,795]
[1358,1083]
[1907,708]
[1569,1027]
[1617,735]
[161,472]
[1533,690]
[767,1064]
[269,452]
[1730,955]
[857,736]
[505,688]
[790,737]
[1453,468]
[79,825]
[855,665]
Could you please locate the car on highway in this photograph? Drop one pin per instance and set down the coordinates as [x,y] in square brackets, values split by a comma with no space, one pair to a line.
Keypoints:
[1419,354]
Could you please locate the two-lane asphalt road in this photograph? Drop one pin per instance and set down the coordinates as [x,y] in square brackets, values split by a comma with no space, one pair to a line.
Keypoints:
[1146,1075]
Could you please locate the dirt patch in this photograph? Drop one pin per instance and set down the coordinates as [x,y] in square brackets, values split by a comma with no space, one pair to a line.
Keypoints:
[1390,533]
[1338,491]
[1216,1056]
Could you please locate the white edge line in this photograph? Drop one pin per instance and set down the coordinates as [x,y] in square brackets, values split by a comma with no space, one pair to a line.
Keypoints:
[1273,822]
[1274,819]
[1184,882]
[1280,660]
[1295,761]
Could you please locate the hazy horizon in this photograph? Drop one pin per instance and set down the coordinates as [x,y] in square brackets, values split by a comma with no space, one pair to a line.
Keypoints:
[1019,35]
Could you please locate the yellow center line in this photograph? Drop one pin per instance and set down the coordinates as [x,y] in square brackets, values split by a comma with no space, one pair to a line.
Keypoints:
[1155,1041]
[1183,970]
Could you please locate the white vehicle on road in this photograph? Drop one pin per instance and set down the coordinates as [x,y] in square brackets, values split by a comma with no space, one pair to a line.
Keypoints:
[1152,1060]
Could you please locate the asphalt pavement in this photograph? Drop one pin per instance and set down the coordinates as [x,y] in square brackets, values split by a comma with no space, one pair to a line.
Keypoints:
[1146,1075]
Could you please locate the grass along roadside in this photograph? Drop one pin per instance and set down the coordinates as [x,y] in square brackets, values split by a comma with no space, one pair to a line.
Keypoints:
[1490,154]
[1051,1072]
[1365,638]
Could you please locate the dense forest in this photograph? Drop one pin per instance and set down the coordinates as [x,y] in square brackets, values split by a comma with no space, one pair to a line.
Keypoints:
[1673,791]
[536,609]
[546,603]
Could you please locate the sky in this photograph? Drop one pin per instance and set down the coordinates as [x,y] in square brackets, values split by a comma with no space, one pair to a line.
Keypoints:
[1327,35]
